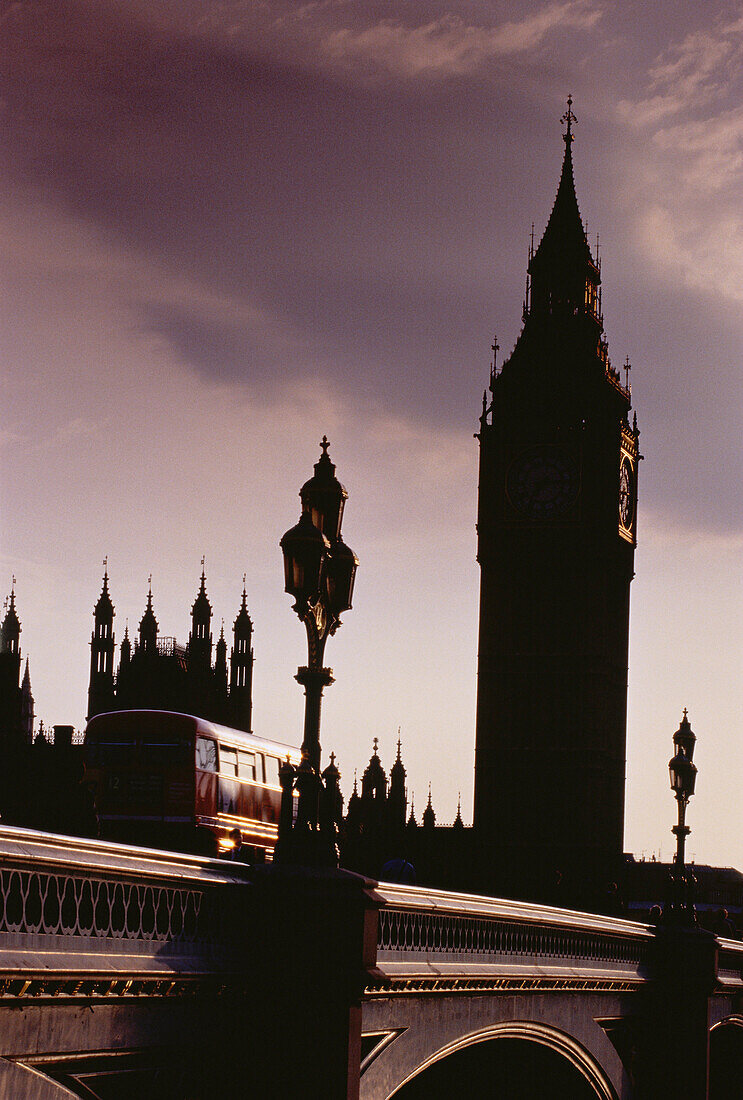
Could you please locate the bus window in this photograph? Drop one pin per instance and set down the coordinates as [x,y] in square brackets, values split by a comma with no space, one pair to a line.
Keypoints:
[206,754]
[246,765]
[260,767]
[227,760]
[272,771]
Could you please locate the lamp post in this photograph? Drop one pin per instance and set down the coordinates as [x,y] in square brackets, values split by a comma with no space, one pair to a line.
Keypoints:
[319,572]
[683,774]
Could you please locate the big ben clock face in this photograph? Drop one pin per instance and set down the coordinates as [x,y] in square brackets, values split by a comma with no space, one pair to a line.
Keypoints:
[626,495]
[542,483]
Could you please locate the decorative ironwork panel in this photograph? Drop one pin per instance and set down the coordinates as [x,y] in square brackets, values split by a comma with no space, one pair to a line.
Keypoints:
[41,902]
[479,939]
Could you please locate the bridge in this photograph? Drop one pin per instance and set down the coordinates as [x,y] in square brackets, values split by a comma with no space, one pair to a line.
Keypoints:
[129,972]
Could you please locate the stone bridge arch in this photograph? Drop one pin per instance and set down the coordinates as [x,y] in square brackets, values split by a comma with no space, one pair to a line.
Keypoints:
[509,1047]
[560,1030]
[726,1057]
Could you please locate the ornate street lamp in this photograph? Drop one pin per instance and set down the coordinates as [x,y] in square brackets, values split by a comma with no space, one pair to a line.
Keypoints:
[683,775]
[319,572]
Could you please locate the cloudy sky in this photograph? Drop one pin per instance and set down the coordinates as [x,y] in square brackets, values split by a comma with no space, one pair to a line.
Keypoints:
[228,227]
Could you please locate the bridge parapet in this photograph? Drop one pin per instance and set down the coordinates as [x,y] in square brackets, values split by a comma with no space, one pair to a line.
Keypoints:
[429,940]
[93,919]
[730,966]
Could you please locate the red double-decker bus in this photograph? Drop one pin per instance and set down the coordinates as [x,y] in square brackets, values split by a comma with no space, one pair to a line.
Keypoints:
[175,781]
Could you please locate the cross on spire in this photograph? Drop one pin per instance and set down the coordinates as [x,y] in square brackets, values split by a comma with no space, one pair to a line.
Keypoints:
[569,118]
[627,369]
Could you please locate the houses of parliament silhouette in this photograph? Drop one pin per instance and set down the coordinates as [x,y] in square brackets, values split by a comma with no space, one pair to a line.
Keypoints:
[557,529]
[43,782]
[16,698]
[156,673]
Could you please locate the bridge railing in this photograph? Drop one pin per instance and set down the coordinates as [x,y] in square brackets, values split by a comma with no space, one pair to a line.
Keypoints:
[730,966]
[428,938]
[111,916]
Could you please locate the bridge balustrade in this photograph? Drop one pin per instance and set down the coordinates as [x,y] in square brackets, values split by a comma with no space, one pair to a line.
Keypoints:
[730,966]
[428,940]
[88,918]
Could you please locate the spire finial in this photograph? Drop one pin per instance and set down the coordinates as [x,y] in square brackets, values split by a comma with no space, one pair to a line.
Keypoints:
[324,444]
[627,369]
[105,566]
[332,759]
[685,712]
[495,348]
[202,581]
[569,118]
[375,743]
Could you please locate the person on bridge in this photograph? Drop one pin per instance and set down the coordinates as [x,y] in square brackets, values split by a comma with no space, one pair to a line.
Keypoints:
[238,853]
[723,926]
[398,870]
[614,904]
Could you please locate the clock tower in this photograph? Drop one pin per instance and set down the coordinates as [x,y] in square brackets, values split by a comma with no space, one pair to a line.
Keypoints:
[556,541]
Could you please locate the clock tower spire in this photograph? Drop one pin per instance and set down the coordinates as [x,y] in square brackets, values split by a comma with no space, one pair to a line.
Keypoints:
[556,539]
[563,277]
